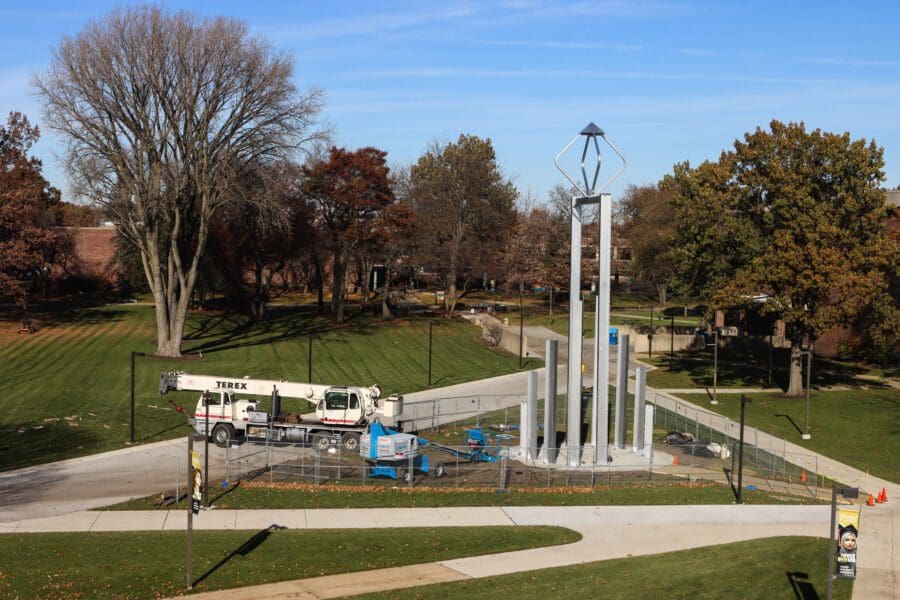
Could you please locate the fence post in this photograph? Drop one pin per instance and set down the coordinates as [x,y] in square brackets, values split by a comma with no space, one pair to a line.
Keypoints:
[410,473]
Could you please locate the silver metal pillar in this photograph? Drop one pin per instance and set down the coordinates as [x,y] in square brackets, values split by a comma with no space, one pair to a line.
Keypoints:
[550,359]
[529,437]
[621,391]
[589,194]
[600,400]
[573,387]
[640,395]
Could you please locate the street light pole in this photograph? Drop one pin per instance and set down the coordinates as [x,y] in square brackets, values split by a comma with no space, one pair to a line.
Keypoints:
[672,345]
[806,435]
[206,459]
[430,334]
[850,494]
[521,321]
[133,355]
[715,400]
[744,401]
[309,359]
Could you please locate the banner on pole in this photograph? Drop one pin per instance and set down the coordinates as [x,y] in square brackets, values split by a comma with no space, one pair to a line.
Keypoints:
[848,528]
[196,494]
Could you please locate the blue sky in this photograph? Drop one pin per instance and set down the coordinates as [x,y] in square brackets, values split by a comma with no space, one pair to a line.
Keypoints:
[668,81]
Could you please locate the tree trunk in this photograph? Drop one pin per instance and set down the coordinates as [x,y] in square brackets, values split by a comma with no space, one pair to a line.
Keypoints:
[450,299]
[320,284]
[385,305]
[338,283]
[661,290]
[795,382]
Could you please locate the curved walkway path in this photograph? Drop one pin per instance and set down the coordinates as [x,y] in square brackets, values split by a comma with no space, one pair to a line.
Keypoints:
[636,530]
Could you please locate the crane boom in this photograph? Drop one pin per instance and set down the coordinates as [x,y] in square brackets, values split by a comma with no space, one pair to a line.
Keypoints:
[178,381]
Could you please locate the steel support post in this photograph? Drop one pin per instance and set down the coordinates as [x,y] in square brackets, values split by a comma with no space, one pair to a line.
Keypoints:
[600,399]
[621,391]
[640,394]
[573,386]
[550,359]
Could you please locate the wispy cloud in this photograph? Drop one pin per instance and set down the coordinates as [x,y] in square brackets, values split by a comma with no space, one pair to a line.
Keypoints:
[562,45]
[370,23]
[843,62]
[442,72]
[697,52]
[595,8]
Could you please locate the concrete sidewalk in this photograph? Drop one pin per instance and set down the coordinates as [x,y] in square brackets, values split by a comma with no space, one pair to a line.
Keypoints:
[637,530]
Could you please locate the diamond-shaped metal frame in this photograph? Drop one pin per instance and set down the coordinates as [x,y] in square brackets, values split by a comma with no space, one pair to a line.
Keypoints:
[591,133]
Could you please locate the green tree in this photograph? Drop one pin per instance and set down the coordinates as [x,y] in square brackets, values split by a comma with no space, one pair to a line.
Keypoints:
[794,214]
[648,225]
[464,207]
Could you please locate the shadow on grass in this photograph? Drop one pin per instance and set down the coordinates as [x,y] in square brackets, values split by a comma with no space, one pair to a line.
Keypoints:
[749,368]
[791,420]
[802,587]
[27,444]
[731,484]
[219,332]
[243,550]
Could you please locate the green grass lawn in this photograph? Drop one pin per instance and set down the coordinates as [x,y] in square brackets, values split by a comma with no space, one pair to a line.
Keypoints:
[152,564]
[856,427]
[387,495]
[65,390]
[750,368]
[776,568]
[560,322]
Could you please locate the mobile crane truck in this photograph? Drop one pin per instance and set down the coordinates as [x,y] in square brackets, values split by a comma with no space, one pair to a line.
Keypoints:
[342,412]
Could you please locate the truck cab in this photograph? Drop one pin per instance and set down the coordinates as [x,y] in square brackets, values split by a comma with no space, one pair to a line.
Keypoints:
[225,413]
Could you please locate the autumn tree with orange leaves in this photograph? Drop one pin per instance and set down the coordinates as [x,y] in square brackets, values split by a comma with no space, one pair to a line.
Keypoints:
[29,246]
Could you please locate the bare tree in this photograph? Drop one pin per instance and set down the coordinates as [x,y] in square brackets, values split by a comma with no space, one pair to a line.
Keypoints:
[160,110]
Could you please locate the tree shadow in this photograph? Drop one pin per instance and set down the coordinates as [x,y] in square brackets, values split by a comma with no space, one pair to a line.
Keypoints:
[217,333]
[243,550]
[32,443]
[802,587]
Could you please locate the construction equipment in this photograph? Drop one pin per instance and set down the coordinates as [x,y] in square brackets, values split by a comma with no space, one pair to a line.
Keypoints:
[391,453]
[476,448]
[342,412]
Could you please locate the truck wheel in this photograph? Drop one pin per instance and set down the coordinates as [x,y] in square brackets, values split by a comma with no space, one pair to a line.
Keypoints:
[320,442]
[221,434]
[439,471]
[350,442]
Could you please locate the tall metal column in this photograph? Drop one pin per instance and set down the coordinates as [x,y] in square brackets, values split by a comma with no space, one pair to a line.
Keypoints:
[550,359]
[600,419]
[589,194]
[621,391]
[573,387]
[640,394]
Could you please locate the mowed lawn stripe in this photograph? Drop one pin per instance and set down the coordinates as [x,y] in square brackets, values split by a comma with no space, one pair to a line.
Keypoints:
[79,366]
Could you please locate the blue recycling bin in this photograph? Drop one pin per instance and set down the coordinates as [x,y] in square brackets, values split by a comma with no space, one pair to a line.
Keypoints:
[613,336]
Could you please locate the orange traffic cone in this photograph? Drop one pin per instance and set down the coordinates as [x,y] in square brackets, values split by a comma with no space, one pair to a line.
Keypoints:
[803,476]
[871,500]
[882,495]
[676,460]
